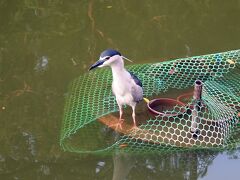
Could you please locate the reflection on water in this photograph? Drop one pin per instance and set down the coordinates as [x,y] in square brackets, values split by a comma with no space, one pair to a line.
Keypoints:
[44,45]
[42,64]
[181,165]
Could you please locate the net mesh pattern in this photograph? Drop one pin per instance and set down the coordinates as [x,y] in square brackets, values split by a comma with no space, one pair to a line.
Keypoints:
[215,116]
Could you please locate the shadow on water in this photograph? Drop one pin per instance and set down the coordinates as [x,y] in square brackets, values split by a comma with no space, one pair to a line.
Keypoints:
[44,45]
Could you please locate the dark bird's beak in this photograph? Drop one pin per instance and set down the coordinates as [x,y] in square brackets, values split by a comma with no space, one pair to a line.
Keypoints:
[98,63]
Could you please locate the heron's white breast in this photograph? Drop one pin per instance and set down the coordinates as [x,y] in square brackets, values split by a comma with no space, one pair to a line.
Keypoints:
[121,87]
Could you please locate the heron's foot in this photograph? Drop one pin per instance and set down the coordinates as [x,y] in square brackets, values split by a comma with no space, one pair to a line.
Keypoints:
[134,128]
[117,125]
[121,120]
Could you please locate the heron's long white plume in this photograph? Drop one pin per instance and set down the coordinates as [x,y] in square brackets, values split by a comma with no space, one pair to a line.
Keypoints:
[127,59]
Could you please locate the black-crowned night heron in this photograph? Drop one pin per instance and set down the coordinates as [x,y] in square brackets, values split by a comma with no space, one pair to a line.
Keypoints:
[125,86]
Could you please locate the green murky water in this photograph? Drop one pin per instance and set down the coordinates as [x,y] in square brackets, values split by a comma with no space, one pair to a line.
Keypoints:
[46,44]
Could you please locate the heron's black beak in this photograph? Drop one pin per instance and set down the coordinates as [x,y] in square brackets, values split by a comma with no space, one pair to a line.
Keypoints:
[98,63]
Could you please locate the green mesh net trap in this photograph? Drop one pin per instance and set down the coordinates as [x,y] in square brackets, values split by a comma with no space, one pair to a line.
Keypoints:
[209,122]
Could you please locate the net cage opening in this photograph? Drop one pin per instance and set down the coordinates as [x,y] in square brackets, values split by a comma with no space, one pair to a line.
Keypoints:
[209,120]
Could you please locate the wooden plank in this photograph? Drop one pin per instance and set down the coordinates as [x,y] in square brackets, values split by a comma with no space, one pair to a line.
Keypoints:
[160,135]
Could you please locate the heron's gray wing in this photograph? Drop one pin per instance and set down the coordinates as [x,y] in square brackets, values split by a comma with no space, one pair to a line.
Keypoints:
[135,78]
[137,93]
[137,90]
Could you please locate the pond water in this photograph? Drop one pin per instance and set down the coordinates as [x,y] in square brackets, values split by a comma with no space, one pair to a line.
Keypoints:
[44,45]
